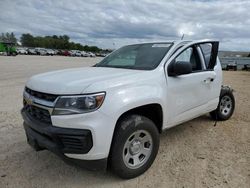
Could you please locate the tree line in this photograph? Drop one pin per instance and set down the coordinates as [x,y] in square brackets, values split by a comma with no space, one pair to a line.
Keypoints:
[54,42]
[8,37]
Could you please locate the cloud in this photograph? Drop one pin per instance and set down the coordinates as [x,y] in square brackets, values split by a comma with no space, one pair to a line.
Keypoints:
[105,23]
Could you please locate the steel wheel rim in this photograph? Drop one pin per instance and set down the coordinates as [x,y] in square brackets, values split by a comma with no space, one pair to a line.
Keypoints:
[226,105]
[137,149]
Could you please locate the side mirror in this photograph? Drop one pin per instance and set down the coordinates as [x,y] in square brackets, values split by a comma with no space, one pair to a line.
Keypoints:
[179,67]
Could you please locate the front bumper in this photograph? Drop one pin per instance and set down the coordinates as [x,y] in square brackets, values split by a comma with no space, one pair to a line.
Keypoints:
[61,141]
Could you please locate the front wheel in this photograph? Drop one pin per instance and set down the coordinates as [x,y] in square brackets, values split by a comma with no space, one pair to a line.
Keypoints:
[135,146]
[226,105]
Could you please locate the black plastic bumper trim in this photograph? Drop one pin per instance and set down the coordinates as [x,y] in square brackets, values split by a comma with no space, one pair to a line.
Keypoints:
[44,136]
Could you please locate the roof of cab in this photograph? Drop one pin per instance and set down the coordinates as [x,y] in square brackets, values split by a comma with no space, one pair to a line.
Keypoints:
[177,42]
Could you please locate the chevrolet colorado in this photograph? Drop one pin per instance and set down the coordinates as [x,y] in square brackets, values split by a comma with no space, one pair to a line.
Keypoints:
[111,114]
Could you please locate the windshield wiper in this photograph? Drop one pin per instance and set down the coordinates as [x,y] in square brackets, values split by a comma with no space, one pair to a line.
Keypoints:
[116,66]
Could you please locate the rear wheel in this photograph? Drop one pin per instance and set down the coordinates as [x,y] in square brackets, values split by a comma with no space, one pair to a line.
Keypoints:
[226,105]
[135,146]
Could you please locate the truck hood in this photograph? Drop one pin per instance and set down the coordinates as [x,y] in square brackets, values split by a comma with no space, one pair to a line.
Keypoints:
[75,81]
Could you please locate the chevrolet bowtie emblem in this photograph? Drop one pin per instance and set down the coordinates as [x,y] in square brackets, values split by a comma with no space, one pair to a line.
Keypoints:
[29,101]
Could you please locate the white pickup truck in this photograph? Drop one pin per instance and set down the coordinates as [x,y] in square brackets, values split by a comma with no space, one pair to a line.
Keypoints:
[112,113]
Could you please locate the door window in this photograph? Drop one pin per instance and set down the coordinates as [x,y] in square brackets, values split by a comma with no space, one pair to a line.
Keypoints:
[190,55]
[185,55]
[206,49]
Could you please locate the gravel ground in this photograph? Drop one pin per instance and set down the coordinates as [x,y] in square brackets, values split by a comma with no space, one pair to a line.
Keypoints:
[194,154]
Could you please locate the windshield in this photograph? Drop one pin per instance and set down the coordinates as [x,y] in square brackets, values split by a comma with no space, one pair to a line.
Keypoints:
[139,56]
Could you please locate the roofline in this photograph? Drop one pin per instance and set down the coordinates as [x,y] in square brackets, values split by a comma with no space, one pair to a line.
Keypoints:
[176,42]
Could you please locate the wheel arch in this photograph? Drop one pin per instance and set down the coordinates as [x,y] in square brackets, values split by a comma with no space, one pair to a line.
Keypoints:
[153,111]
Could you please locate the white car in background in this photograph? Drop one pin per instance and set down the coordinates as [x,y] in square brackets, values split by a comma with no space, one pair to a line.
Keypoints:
[32,51]
[50,52]
[22,51]
[56,51]
[84,54]
[75,53]
[41,51]
[91,54]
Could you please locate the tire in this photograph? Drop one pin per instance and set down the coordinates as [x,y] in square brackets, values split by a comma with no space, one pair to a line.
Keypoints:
[134,147]
[226,105]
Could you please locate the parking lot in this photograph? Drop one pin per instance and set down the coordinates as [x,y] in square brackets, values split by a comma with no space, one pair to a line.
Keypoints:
[194,154]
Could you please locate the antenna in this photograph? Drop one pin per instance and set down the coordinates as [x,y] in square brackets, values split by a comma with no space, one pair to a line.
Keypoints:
[182,37]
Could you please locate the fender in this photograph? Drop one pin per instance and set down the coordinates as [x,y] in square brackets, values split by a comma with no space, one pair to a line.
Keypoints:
[130,97]
[128,92]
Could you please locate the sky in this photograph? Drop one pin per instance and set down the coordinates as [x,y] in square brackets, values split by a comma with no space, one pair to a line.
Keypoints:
[114,23]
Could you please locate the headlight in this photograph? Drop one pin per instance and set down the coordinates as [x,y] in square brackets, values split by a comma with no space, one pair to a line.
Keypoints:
[78,104]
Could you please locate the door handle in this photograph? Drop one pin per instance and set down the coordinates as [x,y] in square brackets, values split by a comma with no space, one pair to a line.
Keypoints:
[211,79]
[208,80]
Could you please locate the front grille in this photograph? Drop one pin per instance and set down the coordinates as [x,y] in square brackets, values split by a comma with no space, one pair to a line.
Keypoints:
[37,113]
[40,95]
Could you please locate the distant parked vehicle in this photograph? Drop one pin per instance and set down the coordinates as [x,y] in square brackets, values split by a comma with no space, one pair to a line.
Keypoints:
[56,52]
[246,67]
[75,53]
[60,52]
[32,51]
[101,54]
[232,66]
[41,51]
[84,54]
[91,54]
[21,51]
[65,53]
[50,52]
